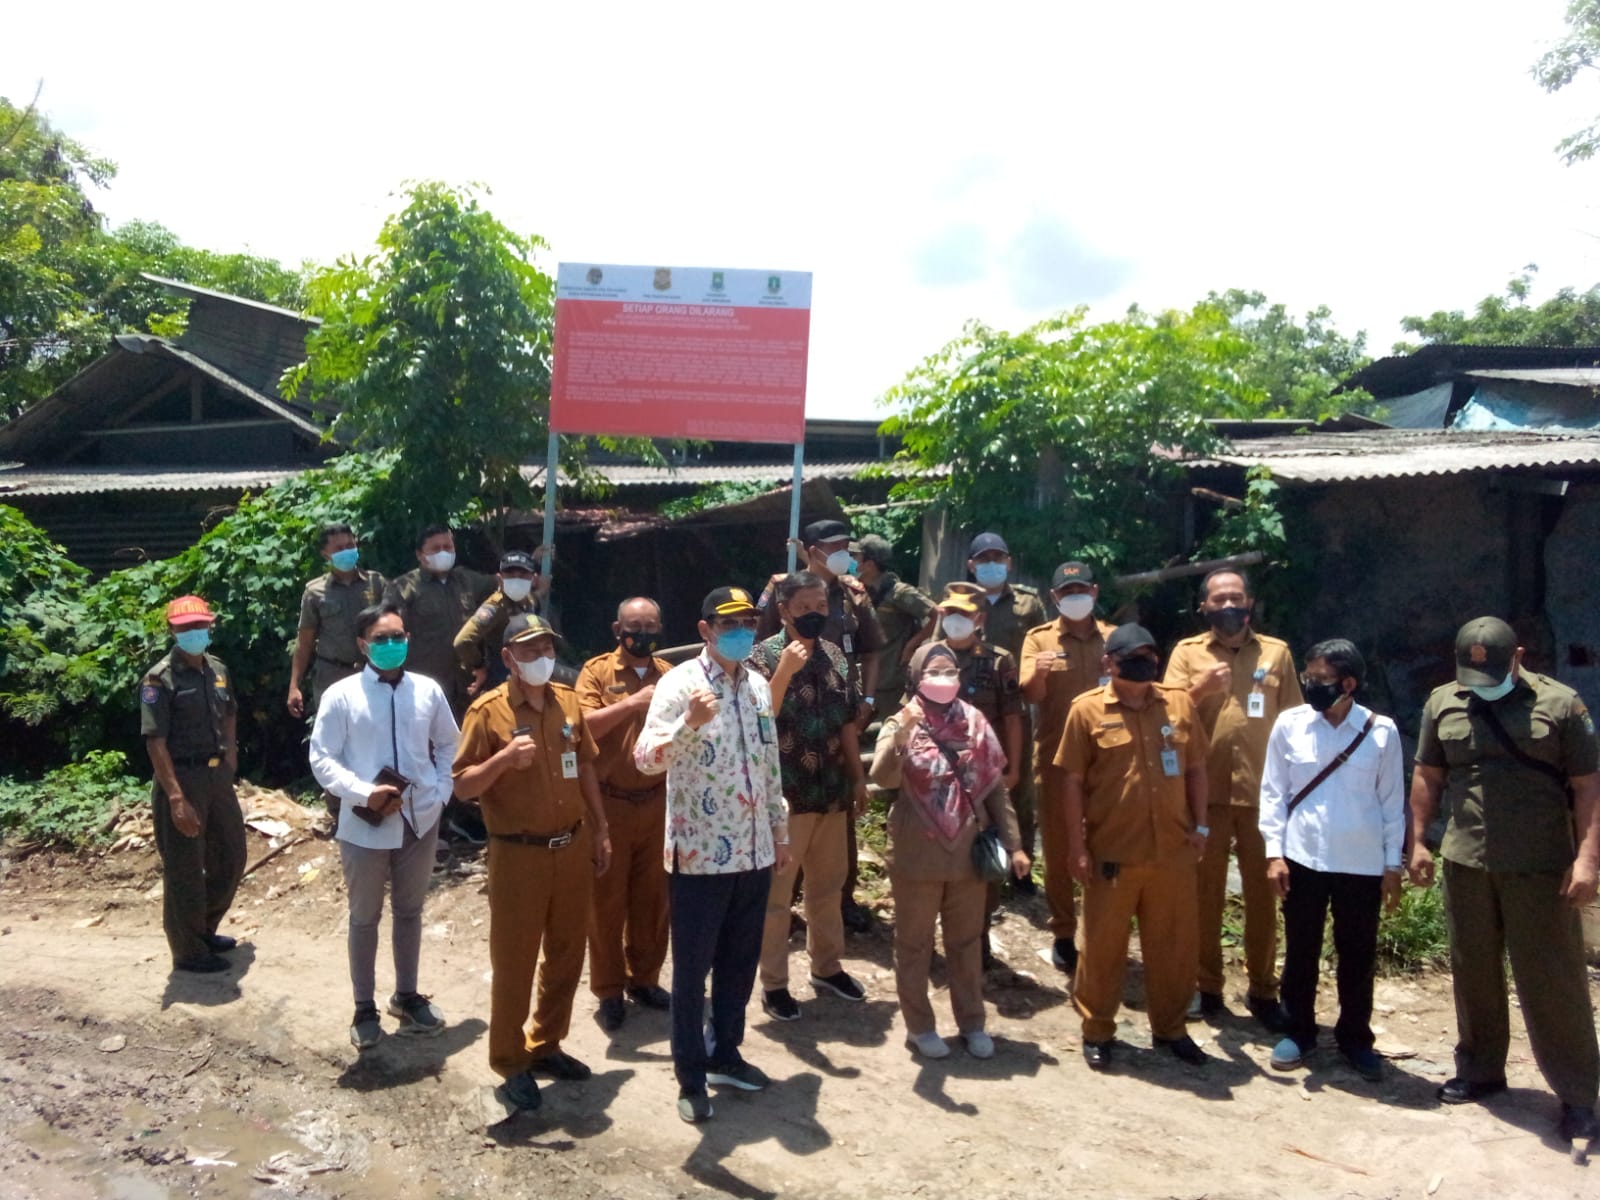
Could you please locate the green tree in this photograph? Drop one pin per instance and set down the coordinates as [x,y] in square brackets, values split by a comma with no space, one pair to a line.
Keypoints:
[1296,364]
[1575,53]
[1568,318]
[1061,435]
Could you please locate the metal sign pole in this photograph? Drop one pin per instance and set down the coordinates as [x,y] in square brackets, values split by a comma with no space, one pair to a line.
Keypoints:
[552,459]
[794,503]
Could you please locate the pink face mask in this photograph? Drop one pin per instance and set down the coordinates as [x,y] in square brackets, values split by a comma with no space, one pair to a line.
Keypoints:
[941,689]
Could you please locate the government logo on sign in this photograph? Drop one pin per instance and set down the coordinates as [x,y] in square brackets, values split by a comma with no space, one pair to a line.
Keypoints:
[716,281]
[774,284]
[594,276]
[663,278]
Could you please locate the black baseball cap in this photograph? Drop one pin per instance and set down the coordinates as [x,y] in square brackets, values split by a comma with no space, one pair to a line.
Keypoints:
[726,602]
[987,541]
[1127,638]
[1484,650]
[1071,572]
[824,531]
[524,627]
[518,560]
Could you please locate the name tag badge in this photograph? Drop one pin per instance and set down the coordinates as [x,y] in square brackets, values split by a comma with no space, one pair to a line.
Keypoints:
[1104,679]
[569,765]
[849,644]
[1257,706]
[1169,763]
[764,727]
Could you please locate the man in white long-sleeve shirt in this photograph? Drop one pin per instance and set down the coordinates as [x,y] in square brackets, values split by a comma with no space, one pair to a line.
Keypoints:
[1332,816]
[386,719]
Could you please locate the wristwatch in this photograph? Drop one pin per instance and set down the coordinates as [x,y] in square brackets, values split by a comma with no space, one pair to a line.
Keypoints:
[870,701]
[1203,830]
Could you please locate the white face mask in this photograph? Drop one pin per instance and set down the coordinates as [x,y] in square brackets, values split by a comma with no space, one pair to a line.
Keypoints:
[537,672]
[957,627]
[441,562]
[516,589]
[1075,607]
[839,562]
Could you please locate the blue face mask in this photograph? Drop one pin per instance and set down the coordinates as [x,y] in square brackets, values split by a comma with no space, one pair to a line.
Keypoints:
[193,641]
[736,644]
[1499,691]
[991,574]
[387,656]
[345,560]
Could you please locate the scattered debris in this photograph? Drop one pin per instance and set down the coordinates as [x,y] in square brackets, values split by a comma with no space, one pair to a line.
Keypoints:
[115,1042]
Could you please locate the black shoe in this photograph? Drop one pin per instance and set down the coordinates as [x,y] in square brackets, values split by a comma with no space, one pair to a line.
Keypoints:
[612,1013]
[206,964]
[1465,1091]
[780,1005]
[521,1091]
[1097,1055]
[738,1073]
[1577,1121]
[559,1065]
[366,1030]
[419,1015]
[856,918]
[841,985]
[220,943]
[1269,1012]
[1064,954]
[1024,886]
[1206,1004]
[694,1107]
[1364,1061]
[1184,1048]
[651,997]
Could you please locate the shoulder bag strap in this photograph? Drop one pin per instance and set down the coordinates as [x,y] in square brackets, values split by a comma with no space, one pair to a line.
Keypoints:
[1339,761]
[1482,708]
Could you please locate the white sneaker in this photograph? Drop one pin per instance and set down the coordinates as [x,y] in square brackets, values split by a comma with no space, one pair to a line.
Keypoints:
[979,1044]
[929,1045]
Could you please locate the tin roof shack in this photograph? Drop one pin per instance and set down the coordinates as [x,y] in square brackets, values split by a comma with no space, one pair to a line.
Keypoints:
[128,458]
[1400,536]
[1486,387]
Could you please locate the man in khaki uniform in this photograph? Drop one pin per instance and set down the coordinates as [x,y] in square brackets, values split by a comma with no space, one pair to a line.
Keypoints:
[1512,756]
[1134,754]
[526,751]
[906,617]
[434,600]
[628,922]
[1240,681]
[1060,662]
[188,716]
[521,589]
[326,641]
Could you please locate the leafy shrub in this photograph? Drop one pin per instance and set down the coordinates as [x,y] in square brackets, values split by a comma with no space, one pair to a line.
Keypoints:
[1414,935]
[71,805]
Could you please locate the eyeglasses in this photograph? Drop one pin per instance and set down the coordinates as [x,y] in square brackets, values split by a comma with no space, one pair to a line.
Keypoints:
[388,639]
[726,623]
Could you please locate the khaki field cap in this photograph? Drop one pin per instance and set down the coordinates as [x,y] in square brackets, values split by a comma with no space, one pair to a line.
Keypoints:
[1484,649]
[524,627]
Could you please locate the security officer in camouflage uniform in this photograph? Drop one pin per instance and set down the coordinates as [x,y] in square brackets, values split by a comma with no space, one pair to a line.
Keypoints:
[434,600]
[188,718]
[1513,757]
[522,588]
[328,608]
[906,616]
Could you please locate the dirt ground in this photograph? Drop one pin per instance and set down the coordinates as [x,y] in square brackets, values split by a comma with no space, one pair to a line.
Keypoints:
[120,1080]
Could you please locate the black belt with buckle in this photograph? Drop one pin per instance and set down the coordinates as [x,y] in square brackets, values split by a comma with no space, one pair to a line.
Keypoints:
[339,662]
[554,840]
[637,796]
[197,760]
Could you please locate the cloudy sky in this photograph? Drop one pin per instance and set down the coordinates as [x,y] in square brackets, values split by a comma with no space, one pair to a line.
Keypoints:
[927,163]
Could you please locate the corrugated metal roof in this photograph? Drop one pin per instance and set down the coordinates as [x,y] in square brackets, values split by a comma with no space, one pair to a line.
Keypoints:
[631,475]
[86,481]
[1407,453]
[195,290]
[1582,377]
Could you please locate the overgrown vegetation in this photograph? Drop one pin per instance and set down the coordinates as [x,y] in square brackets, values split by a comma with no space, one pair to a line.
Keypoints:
[72,805]
[714,495]
[1414,936]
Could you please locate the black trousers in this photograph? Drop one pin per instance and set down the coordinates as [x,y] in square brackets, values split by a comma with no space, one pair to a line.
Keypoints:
[716,929]
[1356,901]
[199,874]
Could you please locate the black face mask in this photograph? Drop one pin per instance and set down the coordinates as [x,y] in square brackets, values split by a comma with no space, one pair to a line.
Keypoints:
[809,625]
[640,645]
[1227,621]
[1138,670]
[1322,696]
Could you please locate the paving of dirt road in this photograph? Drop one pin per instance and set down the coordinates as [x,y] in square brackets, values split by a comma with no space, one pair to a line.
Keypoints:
[121,1081]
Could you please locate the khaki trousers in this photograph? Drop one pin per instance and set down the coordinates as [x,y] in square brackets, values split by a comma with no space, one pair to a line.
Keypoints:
[1161,896]
[818,844]
[628,921]
[958,907]
[538,904]
[1236,826]
[1052,818]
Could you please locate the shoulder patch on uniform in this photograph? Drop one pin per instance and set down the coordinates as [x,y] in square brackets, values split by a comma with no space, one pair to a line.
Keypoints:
[486,613]
[149,693]
[1586,717]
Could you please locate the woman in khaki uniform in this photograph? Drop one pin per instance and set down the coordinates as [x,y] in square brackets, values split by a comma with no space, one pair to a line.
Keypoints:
[946,761]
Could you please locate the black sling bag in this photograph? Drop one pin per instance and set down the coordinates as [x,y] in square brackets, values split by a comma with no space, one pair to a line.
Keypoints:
[1339,761]
[1478,706]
